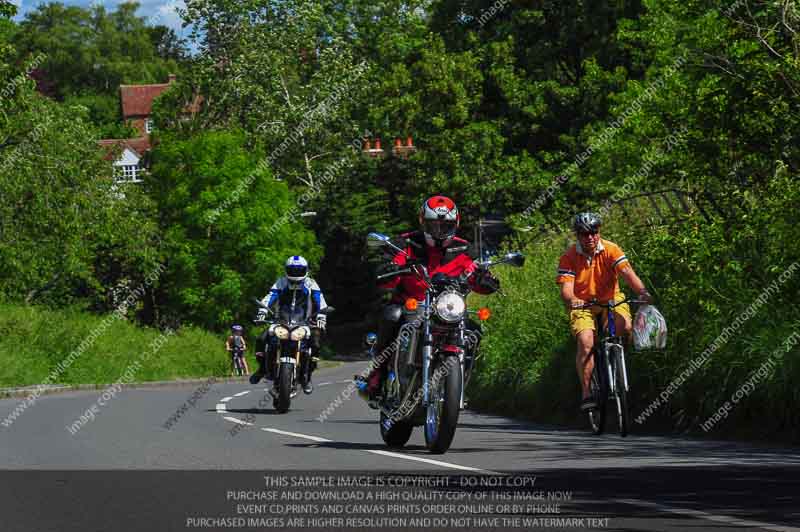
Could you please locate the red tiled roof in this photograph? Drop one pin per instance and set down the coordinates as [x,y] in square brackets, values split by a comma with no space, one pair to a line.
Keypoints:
[137,100]
[138,145]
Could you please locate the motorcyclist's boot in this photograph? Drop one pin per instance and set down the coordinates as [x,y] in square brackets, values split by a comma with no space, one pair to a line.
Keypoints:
[312,365]
[256,377]
[368,387]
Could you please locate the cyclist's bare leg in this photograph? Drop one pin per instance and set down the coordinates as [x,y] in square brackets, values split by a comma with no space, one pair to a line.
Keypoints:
[623,325]
[583,362]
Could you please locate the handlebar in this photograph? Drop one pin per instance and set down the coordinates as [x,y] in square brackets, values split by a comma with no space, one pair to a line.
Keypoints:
[394,273]
[610,305]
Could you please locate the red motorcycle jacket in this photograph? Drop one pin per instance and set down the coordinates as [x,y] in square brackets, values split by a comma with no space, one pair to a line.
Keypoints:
[451,260]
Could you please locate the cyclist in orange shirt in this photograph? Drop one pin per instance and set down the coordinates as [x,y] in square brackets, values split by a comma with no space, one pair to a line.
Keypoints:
[588,271]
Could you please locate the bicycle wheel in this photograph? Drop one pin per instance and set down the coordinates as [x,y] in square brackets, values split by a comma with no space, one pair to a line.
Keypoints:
[599,389]
[621,395]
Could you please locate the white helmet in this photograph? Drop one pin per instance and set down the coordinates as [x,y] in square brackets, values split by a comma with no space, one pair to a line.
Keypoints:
[296,269]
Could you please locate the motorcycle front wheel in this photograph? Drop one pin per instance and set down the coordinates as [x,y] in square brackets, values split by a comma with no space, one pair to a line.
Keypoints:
[444,406]
[284,399]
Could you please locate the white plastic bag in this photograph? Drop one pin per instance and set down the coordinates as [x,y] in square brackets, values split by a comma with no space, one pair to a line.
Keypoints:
[649,329]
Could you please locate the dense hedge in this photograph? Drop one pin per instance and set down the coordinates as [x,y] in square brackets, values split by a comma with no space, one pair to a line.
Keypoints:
[727,291]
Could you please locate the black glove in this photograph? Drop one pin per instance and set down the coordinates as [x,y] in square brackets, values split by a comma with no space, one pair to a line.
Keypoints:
[487,281]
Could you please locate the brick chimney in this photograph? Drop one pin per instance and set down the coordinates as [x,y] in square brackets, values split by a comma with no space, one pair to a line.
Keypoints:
[403,151]
[376,151]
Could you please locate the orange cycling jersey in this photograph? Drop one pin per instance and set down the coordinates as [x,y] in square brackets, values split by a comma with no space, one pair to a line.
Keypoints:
[594,277]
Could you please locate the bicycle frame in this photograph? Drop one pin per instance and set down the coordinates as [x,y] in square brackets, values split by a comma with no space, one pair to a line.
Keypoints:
[609,358]
[607,342]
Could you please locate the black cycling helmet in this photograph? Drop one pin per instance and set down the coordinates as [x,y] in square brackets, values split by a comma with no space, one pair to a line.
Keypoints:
[587,222]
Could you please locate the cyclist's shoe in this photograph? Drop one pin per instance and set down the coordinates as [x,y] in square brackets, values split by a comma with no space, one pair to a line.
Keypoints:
[308,388]
[256,377]
[589,403]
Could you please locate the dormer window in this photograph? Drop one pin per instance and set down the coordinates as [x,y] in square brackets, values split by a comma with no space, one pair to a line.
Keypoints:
[128,173]
[148,125]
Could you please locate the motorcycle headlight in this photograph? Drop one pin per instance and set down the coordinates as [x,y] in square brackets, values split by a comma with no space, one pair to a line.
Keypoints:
[450,306]
[301,333]
[280,332]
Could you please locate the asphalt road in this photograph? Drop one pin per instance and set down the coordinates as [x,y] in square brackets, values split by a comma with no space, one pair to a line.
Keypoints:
[128,459]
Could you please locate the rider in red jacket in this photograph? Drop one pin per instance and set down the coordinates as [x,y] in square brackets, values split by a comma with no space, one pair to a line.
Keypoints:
[437,248]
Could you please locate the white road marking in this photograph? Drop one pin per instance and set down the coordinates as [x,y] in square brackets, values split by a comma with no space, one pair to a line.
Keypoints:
[386,453]
[241,393]
[222,408]
[348,381]
[429,461]
[296,435]
[235,420]
[711,517]
[324,383]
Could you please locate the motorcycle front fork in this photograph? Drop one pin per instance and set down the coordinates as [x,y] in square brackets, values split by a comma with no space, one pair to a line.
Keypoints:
[427,356]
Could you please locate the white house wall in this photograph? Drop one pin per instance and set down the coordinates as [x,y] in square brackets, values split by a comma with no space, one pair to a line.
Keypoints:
[128,158]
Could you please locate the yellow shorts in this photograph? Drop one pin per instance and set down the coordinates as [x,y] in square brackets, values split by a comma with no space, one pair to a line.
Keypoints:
[582,319]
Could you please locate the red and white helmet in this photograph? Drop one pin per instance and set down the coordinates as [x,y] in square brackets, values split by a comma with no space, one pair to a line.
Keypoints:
[439,219]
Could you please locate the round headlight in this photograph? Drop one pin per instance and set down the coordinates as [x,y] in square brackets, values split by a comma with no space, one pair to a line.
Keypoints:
[450,306]
[300,334]
[281,332]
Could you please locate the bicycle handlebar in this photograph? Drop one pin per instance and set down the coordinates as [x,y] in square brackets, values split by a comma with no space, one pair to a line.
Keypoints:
[610,305]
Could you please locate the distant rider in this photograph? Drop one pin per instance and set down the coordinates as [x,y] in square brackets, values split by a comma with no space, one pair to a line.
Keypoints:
[236,345]
[437,247]
[588,271]
[296,286]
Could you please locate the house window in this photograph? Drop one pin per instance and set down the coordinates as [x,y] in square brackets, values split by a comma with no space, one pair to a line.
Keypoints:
[148,125]
[128,172]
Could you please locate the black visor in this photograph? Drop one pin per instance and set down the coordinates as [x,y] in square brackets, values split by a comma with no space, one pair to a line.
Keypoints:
[440,229]
[296,271]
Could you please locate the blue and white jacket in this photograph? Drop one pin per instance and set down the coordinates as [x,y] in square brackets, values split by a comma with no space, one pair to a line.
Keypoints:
[306,295]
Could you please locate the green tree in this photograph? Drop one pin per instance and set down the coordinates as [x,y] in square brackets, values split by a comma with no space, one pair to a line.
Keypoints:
[93,50]
[218,260]
[67,233]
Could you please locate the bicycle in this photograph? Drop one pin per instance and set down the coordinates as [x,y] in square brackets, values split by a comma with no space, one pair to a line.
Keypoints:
[609,379]
[238,362]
